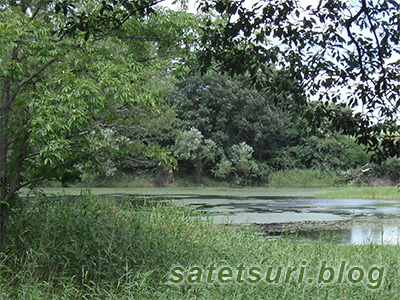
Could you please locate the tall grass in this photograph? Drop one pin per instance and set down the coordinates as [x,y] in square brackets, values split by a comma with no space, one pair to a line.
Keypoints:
[303,178]
[384,192]
[99,248]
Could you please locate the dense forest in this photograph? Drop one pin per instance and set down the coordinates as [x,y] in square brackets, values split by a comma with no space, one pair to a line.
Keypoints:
[216,129]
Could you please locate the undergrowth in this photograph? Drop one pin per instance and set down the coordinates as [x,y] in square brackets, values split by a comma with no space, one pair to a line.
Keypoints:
[100,248]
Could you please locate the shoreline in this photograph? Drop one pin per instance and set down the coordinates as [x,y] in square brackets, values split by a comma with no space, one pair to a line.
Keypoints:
[385,193]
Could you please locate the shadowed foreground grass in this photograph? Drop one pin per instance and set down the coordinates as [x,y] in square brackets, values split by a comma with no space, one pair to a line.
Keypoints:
[98,248]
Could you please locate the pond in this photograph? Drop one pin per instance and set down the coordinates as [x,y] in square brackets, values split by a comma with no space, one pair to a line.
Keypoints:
[343,221]
[279,212]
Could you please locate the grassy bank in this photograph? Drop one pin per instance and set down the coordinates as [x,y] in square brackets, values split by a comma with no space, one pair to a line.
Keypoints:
[304,179]
[95,248]
[386,193]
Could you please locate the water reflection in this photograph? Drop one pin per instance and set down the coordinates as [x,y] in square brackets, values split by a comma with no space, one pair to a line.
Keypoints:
[385,235]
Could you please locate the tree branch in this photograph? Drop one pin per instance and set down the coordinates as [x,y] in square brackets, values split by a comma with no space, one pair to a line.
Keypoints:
[30,78]
[137,10]
[36,11]
[43,177]
[348,24]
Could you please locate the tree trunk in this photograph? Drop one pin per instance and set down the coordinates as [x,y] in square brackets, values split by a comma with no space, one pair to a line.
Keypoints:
[3,218]
[5,108]
[238,179]
[199,169]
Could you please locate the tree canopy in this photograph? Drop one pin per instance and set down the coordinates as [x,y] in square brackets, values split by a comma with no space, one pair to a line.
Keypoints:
[229,111]
[334,51]
[249,129]
[77,84]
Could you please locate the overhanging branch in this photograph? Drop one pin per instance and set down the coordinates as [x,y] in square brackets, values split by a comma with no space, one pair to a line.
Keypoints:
[31,77]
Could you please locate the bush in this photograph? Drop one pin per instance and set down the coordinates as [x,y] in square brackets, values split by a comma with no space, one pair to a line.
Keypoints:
[330,152]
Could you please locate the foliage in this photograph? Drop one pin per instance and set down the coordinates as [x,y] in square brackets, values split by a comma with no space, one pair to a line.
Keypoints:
[389,169]
[77,90]
[383,174]
[332,51]
[229,111]
[191,145]
[324,152]
[239,162]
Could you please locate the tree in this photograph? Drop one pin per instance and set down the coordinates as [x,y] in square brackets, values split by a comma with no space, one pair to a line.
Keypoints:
[336,51]
[239,162]
[229,111]
[72,71]
[191,145]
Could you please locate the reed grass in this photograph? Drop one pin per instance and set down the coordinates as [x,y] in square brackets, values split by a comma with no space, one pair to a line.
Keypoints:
[384,193]
[304,178]
[101,248]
